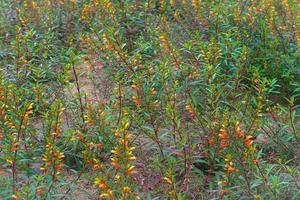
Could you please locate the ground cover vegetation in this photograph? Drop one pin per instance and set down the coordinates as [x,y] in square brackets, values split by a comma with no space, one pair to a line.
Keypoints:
[149,99]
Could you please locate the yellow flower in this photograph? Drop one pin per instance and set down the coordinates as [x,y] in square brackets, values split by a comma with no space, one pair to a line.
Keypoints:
[152,91]
[61,155]
[108,194]
[117,179]
[131,158]
[116,152]
[98,182]
[9,161]
[168,180]
[126,189]
[131,149]
[130,170]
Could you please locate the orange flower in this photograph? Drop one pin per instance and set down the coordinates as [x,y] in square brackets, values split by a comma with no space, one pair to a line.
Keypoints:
[224,134]
[131,170]
[96,167]
[126,190]
[255,161]
[248,140]
[211,142]
[230,169]
[224,144]
[15,197]
[58,167]
[79,136]
[222,183]
[136,101]
[98,182]
[115,165]
[99,145]
[238,131]
[223,192]
[252,149]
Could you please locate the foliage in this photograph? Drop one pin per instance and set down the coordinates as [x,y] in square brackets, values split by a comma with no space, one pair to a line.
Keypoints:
[205,102]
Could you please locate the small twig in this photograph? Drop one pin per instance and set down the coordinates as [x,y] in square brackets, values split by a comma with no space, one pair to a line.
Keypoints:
[79,97]
[293,126]
[14,164]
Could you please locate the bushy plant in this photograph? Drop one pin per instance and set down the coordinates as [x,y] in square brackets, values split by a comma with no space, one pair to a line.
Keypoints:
[203,104]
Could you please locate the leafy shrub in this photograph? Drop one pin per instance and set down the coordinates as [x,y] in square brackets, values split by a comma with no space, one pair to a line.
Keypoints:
[205,102]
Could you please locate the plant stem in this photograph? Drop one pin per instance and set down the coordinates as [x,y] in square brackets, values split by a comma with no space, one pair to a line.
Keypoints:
[14,164]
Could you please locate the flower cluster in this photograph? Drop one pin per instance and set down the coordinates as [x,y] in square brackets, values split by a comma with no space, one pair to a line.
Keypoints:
[53,156]
[123,151]
[236,159]
[122,162]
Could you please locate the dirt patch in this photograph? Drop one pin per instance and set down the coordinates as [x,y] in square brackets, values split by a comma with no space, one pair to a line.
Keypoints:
[93,81]
[78,187]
